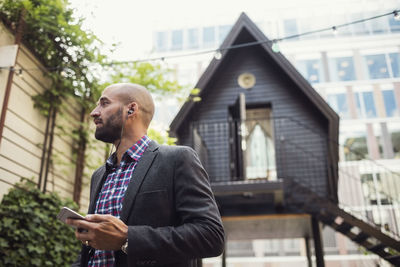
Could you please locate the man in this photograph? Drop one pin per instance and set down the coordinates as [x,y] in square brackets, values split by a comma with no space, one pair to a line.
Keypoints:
[150,205]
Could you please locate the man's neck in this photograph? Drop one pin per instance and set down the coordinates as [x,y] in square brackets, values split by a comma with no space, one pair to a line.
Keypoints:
[124,145]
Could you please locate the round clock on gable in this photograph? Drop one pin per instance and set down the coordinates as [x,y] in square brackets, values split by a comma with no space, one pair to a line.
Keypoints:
[246,80]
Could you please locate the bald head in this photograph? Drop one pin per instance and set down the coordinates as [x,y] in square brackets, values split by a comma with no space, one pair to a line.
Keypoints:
[129,92]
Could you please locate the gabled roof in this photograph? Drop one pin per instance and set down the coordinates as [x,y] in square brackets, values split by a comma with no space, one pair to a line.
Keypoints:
[245,24]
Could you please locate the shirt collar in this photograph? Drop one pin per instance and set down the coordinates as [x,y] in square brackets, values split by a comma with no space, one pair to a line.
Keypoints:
[134,152]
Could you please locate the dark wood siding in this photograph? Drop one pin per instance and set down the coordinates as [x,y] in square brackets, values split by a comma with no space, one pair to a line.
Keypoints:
[300,131]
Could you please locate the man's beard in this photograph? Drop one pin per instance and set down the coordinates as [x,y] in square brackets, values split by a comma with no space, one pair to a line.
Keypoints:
[111,129]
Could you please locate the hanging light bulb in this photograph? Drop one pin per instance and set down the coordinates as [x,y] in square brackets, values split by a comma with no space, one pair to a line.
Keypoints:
[396,15]
[334,29]
[217,55]
[275,47]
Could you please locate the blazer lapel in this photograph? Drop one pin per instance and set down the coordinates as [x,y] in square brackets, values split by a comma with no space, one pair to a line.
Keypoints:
[137,178]
[99,178]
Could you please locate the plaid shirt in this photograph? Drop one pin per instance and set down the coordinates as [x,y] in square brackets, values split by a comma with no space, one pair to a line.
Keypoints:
[112,193]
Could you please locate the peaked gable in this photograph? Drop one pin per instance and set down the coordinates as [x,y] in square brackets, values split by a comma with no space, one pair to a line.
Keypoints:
[244,34]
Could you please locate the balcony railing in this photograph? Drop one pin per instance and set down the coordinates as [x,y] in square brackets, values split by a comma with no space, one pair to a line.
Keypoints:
[232,151]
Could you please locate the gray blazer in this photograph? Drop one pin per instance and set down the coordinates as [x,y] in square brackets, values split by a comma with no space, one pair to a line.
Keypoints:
[169,208]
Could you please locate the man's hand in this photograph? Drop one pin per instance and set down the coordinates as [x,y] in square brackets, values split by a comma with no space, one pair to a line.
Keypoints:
[104,232]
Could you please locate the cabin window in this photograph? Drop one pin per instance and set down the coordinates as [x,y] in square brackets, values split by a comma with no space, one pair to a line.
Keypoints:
[258,145]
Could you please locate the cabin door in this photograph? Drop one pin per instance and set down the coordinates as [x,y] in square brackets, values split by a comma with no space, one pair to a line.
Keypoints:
[258,144]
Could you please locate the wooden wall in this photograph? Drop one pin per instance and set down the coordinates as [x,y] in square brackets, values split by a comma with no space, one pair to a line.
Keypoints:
[24,131]
[300,130]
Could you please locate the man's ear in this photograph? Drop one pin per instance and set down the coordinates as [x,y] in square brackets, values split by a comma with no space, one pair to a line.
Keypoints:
[132,108]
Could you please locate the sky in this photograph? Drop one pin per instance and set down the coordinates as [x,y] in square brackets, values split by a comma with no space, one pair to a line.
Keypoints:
[132,23]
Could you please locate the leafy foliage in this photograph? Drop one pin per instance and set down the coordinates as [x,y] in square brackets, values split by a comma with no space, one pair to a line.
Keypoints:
[56,37]
[30,234]
[155,77]
[161,138]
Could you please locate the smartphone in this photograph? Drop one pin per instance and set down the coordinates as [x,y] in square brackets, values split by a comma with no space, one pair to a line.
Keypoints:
[66,213]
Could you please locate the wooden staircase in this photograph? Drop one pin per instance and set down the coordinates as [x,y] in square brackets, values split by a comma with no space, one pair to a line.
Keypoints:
[367,235]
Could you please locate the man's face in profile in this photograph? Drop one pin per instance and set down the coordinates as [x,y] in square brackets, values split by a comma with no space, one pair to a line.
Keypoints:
[108,118]
[110,127]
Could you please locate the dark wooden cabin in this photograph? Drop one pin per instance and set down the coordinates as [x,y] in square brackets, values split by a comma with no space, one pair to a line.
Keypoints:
[268,141]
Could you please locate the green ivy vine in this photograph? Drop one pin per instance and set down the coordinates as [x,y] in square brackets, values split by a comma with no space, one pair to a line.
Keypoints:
[30,234]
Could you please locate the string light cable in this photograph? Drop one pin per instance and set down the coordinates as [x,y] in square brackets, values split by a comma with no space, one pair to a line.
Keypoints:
[218,52]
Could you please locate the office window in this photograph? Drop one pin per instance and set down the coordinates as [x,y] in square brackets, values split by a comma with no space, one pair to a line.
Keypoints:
[272,247]
[177,40]
[329,240]
[358,28]
[161,41]
[240,248]
[394,25]
[307,25]
[319,22]
[377,67]
[208,36]
[291,247]
[193,38]
[223,32]
[311,70]
[379,139]
[365,104]
[378,25]
[342,19]
[374,189]
[355,148]
[394,59]
[290,28]
[339,103]
[342,69]
[394,130]
[390,103]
